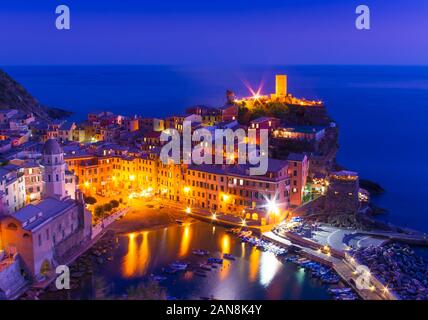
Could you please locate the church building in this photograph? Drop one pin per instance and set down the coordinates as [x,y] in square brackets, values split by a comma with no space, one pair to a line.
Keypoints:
[45,234]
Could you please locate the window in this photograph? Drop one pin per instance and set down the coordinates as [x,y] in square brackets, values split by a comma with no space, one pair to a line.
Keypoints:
[12,226]
[40,240]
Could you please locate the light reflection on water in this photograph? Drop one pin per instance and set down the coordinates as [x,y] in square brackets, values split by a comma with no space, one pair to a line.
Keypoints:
[136,261]
[268,268]
[253,275]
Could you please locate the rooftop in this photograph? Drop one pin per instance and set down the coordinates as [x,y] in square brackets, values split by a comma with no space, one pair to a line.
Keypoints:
[52,146]
[33,216]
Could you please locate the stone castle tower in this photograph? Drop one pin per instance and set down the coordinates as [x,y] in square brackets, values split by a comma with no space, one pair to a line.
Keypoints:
[54,169]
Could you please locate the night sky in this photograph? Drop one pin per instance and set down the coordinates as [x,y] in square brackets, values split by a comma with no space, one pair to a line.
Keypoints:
[233,32]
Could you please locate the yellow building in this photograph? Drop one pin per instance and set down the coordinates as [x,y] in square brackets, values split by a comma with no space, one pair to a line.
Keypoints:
[216,188]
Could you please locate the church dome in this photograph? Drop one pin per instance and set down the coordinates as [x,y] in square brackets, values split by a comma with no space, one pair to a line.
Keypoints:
[52,146]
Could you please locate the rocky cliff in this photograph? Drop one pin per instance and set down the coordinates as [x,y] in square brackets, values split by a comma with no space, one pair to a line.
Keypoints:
[14,96]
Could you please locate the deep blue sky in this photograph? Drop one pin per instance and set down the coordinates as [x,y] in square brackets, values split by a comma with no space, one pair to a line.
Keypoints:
[214,32]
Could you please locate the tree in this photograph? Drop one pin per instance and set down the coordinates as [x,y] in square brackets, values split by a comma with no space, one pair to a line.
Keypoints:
[45,267]
[99,211]
[114,203]
[90,200]
[107,207]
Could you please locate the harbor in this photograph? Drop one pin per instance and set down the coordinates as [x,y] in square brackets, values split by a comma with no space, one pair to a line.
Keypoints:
[199,261]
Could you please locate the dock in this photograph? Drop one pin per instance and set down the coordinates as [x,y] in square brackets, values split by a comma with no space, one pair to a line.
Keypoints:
[340,265]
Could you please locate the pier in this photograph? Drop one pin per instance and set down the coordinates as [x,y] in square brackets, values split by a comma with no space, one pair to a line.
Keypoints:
[340,265]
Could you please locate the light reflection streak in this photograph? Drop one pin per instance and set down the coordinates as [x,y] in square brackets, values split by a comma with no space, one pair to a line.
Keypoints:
[225,244]
[185,241]
[268,268]
[254,264]
[129,265]
[143,254]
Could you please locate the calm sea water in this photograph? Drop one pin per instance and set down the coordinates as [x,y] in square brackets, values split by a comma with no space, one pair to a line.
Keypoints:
[381,110]
[253,275]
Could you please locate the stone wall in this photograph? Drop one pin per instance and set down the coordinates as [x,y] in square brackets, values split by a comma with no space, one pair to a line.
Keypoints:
[12,283]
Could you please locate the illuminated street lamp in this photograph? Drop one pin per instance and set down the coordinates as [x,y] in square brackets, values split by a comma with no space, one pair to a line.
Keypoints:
[243,222]
[186,189]
[272,207]
[188,210]
[131,177]
[214,216]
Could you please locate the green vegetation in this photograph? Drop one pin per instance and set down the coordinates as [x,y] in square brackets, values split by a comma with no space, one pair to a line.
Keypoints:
[90,200]
[45,268]
[107,207]
[114,203]
[99,212]
[269,109]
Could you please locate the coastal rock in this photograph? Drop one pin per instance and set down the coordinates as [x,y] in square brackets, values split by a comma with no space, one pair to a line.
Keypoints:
[14,96]
[399,267]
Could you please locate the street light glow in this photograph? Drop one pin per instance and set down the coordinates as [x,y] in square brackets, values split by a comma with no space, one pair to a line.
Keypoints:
[188,210]
[272,207]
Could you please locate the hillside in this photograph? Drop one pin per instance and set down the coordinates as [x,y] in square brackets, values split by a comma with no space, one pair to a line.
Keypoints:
[14,96]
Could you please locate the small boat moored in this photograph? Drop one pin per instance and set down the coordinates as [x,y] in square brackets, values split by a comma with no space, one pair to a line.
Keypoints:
[228,256]
[215,260]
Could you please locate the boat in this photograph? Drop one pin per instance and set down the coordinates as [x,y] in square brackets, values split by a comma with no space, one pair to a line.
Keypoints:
[339,290]
[199,252]
[158,278]
[178,265]
[346,296]
[204,266]
[180,222]
[261,247]
[215,260]
[330,279]
[228,256]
